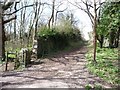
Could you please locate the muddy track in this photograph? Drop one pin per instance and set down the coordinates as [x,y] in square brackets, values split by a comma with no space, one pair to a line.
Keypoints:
[66,70]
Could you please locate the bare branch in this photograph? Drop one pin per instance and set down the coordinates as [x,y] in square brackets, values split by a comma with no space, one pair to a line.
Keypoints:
[87,10]
[87,3]
[100,5]
[57,13]
[6,21]
[24,7]
[19,9]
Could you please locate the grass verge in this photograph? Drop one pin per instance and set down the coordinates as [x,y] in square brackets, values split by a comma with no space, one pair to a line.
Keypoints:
[107,66]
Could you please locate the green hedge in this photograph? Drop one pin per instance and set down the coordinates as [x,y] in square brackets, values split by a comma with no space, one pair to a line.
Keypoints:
[50,40]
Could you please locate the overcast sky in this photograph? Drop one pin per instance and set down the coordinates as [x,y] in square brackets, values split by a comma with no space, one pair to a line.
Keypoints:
[84,21]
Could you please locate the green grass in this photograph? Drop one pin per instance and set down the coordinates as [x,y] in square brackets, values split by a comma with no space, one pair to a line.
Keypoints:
[107,64]
[1,62]
[12,56]
[95,87]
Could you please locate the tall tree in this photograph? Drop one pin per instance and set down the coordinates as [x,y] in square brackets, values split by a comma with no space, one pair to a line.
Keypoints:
[94,30]
[55,9]
[52,14]
[91,8]
[38,10]
[15,7]
[109,24]
[4,7]
[1,38]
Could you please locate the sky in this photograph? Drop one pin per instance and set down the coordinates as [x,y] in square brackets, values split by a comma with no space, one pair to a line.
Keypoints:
[84,21]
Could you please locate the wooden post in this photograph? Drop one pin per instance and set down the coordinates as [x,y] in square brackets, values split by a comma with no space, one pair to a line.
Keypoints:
[25,57]
[1,38]
[6,63]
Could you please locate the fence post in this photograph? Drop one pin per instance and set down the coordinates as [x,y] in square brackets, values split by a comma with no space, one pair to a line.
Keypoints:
[6,62]
[15,61]
[25,56]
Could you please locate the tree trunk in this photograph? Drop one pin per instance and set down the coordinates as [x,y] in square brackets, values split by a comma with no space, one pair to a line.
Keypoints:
[15,22]
[1,37]
[117,38]
[52,15]
[36,23]
[3,41]
[100,38]
[14,29]
[111,39]
[94,30]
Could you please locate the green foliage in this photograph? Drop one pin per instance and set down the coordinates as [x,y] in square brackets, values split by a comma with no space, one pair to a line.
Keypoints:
[11,56]
[95,87]
[59,37]
[88,87]
[109,23]
[52,40]
[107,64]
[98,87]
[46,32]
[109,18]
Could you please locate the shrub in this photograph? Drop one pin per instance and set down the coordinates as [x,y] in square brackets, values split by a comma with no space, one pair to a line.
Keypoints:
[52,40]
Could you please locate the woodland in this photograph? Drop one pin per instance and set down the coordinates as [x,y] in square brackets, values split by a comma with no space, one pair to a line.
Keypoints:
[42,38]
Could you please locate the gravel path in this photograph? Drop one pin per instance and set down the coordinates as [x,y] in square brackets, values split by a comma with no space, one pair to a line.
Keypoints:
[62,71]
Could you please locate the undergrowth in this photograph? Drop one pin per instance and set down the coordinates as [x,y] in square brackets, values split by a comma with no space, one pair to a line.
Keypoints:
[107,64]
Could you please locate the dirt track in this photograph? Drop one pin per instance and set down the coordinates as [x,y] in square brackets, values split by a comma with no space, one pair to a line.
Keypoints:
[62,71]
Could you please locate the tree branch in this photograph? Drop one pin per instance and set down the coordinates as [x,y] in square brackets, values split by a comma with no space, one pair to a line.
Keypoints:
[85,10]
[5,7]
[100,5]
[57,13]
[6,21]
[19,9]
[22,8]
[87,4]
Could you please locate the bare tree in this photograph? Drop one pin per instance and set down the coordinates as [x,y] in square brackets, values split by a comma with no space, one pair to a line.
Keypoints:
[91,9]
[4,7]
[22,22]
[59,11]
[1,38]
[52,15]
[94,30]
[38,10]
[15,7]
[36,15]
